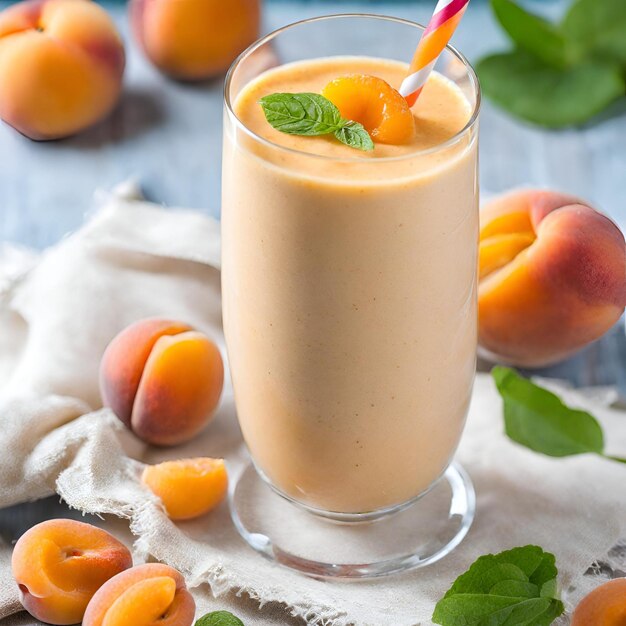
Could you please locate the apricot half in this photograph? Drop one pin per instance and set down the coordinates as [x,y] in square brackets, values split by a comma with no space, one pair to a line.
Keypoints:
[374,103]
[163,379]
[552,277]
[59,565]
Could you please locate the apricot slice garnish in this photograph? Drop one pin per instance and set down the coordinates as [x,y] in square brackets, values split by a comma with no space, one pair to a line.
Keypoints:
[374,103]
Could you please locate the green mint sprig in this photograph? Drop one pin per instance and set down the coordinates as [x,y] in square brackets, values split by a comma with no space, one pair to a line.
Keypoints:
[518,586]
[558,74]
[311,114]
[219,618]
[538,419]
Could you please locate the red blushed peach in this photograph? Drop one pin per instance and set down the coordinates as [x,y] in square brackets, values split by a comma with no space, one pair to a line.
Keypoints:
[146,595]
[60,564]
[194,39]
[552,277]
[61,66]
[163,379]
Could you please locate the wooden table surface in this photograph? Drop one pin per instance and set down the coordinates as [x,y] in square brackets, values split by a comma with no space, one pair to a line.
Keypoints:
[168,136]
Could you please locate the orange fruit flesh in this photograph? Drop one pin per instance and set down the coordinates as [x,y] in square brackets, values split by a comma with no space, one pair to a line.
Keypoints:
[499,250]
[188,488]
[502,239]
[374,103]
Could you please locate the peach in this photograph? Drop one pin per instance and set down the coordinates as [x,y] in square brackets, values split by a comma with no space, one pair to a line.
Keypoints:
[552,277]
[188,488]
[163,379]
[61,66]
[604,606]
[194,39]
[146,595]
[59,565]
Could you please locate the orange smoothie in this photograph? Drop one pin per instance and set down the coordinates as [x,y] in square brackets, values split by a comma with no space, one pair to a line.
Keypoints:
[349,294]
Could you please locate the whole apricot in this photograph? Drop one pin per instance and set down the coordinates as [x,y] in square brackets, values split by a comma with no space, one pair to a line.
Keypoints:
[146,595]
[194,39]
[604,606]
[59,565]
[163,379]
[61,66]
[552,277]
[188,488]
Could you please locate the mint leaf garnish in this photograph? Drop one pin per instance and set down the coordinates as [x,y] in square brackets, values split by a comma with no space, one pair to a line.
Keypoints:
[354,135]
[311,114]
[517,586]
[539,93]
[537,418]
[219,618]
[301,113]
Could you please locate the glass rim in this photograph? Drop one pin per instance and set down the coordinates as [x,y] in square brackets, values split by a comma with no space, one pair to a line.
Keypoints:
[387,18]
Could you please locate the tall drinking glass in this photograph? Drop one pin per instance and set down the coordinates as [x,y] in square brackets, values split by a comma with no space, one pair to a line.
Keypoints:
[349,299]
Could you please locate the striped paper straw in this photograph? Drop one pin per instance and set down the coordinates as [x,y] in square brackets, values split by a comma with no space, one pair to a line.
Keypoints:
[445,19]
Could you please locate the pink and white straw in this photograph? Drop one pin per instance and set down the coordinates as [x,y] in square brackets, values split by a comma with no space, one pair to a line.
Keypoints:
[445,19]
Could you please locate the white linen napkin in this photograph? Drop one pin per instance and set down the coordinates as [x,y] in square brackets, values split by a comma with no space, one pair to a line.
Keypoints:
[133,260]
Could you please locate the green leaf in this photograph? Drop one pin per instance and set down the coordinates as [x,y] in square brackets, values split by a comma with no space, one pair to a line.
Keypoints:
[301,113]
[549,589]
[496,611]
[619,459]
[597,27]
[532,33]
[528,563]
[515,589]
[312,114]
[354,135]
[505,589]
[538,419]
[219,618]
[525,86]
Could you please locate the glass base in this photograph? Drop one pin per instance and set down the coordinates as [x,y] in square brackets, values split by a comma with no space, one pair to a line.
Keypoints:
[320,546]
